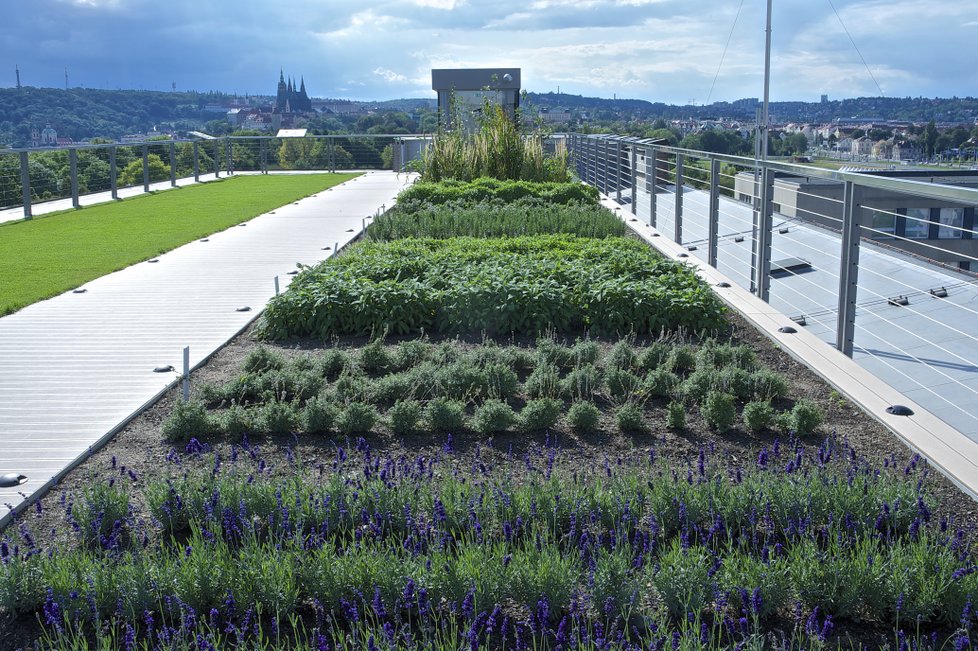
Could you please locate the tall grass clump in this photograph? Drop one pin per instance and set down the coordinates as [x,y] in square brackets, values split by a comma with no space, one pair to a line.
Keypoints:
[497,149]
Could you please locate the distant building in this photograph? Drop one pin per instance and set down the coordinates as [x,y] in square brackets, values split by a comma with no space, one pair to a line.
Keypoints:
[289,98]
[46,137]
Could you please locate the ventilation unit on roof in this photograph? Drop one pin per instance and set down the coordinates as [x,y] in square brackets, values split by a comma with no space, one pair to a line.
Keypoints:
[898,301]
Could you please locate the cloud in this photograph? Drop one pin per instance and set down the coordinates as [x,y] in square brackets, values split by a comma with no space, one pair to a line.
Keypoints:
[446,5]
[389,75]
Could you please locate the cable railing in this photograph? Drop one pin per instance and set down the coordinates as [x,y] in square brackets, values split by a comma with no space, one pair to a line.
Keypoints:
[30,176]
[838,250]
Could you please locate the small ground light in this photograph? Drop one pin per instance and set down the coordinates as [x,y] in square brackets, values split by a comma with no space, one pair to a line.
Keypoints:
[683,255]
[164,369]
[205,240]
[723,284]
[783,230]
[349,230]
[692,248]
[739,239]
[899,410]
[940,292]
[243,308]
[12,479]
[788,330]
[79,291]
[154,260]
[292,273]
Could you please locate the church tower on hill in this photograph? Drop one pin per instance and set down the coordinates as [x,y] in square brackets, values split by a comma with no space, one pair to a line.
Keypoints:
[290,99]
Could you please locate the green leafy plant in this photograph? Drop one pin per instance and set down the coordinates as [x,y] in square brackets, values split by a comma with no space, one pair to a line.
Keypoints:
[404,417]
[719,410]
[318,415]
[806,417]
[277,418]
[630,418]
[189,419]
[581,383]
[584,416]
[539,414]
[356,418]
[757,415]
[676,415]
[445,415]
[493,416]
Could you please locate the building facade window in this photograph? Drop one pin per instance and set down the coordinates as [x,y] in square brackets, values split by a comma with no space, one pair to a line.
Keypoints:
[918,223]
[883,224]
[951,223]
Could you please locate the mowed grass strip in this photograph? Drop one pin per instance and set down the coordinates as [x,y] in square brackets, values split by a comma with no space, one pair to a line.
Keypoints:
[55,253]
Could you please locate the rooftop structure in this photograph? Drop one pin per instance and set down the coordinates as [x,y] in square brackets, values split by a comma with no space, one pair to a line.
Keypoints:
[464,91]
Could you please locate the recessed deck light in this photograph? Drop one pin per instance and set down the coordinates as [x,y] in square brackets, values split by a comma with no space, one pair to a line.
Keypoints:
[12,479]
[899,410]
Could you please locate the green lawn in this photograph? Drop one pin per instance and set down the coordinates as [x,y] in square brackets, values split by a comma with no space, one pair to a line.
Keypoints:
[51,254]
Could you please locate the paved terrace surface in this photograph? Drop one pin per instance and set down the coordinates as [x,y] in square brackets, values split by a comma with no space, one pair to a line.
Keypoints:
[75,368]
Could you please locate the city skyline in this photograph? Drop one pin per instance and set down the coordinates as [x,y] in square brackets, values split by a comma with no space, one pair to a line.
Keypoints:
[656,50]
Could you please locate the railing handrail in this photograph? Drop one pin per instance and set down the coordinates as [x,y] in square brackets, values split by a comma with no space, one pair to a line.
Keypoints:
[905,186]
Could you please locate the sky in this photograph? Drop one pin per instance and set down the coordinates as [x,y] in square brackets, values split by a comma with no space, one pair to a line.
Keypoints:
[672,51]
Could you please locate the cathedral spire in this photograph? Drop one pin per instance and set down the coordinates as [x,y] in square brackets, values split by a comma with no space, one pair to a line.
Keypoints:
[281,75]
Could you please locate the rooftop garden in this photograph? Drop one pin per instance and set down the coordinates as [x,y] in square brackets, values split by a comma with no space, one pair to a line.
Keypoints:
[497,422]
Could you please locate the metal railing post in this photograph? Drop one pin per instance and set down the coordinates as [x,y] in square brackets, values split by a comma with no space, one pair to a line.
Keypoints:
[73,175]
[145,168]
[196,162]
[654,181]
[618,174]
[113,173]
[848,271]
[173,164]
[634,165]
[332,155]
[25,183]
[762,277]
[714,223]
[217,159]
[678,215]
[229,152]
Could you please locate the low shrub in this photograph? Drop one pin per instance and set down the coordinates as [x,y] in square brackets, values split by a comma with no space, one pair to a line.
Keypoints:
[331,363]
[581,383]
[461,380]
[543,382]
[556,354]
[409,354]
[676,415]
[719,410]
[189,419]
[356,418]
[585,352]
[481,190]
[350,387]
[539,414]
[445,415]
[681,360]
[376,358]
[318,415]
[660,383]
[277,418]
[493,416]
[621,356]
[584,416]
[806,417]
[622,385]
[766,384]
[404,416]
[757,415]
[630,418]
[236,421]
[501,381]
[389,389]
[653,356]
[261,359]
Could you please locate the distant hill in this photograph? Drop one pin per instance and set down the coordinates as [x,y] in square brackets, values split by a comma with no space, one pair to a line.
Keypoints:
[911,109]
[82,113]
